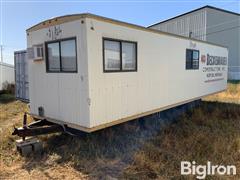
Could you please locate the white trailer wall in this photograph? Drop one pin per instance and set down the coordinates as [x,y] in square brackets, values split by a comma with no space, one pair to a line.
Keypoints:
[161,79]
[21,75]
[64,96]
[6,74]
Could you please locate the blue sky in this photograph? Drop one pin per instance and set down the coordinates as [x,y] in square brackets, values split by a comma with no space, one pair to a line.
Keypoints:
[17,16]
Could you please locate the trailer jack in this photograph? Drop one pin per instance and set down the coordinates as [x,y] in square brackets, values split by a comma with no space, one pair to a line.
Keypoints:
[26,145]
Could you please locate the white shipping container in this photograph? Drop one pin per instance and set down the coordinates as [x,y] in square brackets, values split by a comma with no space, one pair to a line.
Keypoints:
[21,75]
[6,74]
[96,72]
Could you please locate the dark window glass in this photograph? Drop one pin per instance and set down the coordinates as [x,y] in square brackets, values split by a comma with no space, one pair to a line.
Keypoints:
[129,60]
[61,56]
[188,59]
[119,55]
[68,55]
[192,59]
[53,57]
[112,55]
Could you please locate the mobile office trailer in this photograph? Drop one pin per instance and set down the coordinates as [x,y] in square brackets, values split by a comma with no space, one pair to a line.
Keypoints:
[89,72]
[21,75]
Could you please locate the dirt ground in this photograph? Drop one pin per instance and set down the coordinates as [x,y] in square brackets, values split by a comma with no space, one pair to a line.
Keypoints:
[130,150]
[101,155]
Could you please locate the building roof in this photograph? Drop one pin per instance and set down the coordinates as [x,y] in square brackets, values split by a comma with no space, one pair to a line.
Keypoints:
[73,17]
[20,51]
[204,7]
[6,64]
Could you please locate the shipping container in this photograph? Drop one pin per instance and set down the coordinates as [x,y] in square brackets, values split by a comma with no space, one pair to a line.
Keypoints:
[89,72]
[21,75]
[6,74]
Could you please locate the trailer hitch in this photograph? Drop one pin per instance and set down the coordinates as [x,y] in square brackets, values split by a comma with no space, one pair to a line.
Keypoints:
[36,128]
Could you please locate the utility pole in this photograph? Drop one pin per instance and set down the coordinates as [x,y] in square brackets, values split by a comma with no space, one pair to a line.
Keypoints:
[1,51]
[1,74]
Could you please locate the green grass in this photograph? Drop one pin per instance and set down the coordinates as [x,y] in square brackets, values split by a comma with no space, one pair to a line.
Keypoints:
[6,98]
[234,81]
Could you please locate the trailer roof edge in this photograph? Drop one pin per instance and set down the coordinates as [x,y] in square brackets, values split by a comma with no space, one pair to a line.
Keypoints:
[6,64]
[73,17]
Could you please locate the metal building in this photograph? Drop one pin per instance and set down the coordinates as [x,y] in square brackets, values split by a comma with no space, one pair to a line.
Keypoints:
[6,74]
[21,75]
[209,24]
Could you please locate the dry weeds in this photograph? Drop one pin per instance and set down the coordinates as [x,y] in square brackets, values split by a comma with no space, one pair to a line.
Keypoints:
[231,95]
[131,150]
[208,133]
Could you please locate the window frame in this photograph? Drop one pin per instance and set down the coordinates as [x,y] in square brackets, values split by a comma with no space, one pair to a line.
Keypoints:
[121,60]
[192,50]
[60,55]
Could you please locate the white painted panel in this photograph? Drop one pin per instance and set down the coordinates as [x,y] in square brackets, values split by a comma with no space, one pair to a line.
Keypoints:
[160,81]
[64,96]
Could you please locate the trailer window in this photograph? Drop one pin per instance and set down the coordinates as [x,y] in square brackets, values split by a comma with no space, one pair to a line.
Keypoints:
[129,60]
[61,55]
[192,59]
[68,55]
[53,57]
[195,57]
[111,55]
[119,55]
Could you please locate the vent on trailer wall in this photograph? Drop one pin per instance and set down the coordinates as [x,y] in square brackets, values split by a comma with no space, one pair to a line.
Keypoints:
[35,53]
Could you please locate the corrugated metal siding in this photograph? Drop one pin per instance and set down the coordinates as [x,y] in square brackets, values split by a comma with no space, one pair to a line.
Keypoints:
[224,28]
[21,75]
[194,23]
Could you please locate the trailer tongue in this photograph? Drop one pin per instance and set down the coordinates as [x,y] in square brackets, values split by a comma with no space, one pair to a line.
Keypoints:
[28,145]
[36,128]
